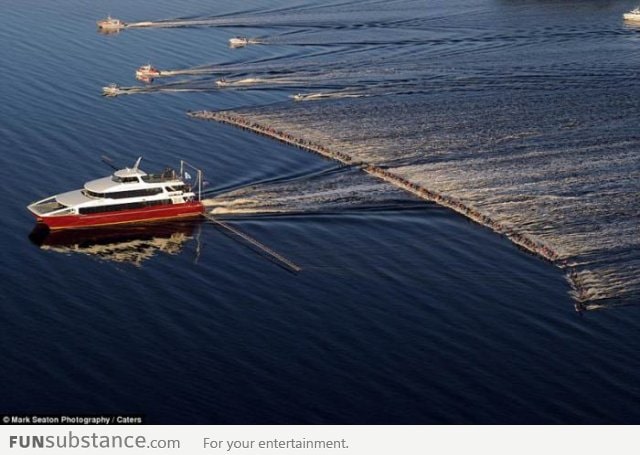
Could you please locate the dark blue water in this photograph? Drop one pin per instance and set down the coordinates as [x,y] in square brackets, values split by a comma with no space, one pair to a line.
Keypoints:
[404,312]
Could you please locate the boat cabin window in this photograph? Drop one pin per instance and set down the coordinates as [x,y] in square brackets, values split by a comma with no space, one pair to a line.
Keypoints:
[118,207]
[175,188]
[134,193]
[124,194]
[92,194]
[117,179]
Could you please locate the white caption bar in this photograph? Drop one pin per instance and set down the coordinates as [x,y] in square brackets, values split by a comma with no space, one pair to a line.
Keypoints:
[312,440]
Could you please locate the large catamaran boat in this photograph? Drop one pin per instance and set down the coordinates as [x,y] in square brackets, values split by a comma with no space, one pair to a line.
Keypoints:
[127,196]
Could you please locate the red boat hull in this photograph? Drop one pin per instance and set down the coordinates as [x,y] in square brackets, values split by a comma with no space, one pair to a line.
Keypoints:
[141,215]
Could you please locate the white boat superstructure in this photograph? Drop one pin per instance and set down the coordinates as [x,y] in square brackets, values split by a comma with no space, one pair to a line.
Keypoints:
[633,15]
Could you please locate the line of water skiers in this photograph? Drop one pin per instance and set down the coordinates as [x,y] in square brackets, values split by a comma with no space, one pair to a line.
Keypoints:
[469,212]
[242,122]
[447,201]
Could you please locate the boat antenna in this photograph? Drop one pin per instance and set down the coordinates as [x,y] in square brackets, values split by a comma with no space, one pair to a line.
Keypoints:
[135,166]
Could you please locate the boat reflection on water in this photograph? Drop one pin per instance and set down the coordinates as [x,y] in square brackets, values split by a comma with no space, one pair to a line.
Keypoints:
[106,31]
[133,243]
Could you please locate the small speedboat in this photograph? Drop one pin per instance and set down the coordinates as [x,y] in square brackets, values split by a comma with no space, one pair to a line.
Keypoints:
[633,15]
[238,41]
[222,82]
[310,96]
[147,72]
[111,90]
[111,24]
[127,196]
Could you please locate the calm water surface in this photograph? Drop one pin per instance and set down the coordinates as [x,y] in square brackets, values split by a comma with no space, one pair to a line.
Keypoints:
[404,312]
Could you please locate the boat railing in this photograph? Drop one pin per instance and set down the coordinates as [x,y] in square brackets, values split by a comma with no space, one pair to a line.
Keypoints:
[167,176]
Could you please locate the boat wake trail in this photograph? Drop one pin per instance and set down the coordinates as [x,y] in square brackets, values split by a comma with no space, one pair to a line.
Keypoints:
[222,69]
[333,18]
[250,81]
[114,91]
[192,72]
[177,23]
[347,189]
[317,96]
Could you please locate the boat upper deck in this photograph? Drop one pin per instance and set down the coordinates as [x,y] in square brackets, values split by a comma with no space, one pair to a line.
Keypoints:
[133,179]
